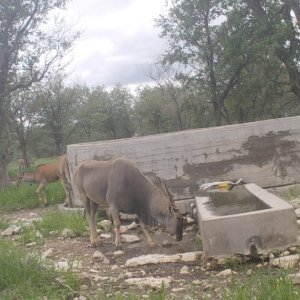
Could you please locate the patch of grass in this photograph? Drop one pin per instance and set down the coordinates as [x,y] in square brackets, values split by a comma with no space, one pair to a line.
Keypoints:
[24,277]
[57,221]
[261,287]
[4,224]
[29,234]
[24,197]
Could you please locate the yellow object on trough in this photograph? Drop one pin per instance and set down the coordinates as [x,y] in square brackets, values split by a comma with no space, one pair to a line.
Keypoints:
[221,185]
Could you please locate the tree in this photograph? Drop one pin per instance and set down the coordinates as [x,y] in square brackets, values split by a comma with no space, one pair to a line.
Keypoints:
[27,52]
[279,21]
[192,30]
[55,106]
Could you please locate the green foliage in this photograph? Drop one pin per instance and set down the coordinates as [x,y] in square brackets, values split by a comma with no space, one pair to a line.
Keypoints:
[23,277]
[261,287]
[57,221]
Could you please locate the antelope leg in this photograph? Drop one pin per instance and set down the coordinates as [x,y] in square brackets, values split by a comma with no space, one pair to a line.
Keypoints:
[117,223]
[90,210]
[42,193]
[150,241]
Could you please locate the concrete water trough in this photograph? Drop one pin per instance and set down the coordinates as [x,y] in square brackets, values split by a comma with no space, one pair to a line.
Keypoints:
[244,220]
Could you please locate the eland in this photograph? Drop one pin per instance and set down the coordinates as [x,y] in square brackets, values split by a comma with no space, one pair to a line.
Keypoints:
[119,184]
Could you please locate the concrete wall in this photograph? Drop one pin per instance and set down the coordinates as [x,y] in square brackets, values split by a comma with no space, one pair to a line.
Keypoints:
[265,152]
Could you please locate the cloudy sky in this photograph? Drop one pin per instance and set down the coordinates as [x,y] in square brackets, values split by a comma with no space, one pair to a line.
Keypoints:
[118,40]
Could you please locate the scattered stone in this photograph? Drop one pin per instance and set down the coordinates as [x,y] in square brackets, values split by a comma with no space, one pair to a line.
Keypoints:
[119,252]
[114,267]
[226,272]
[133,225]
[184,270]
[97,278]
[295,278]
[249,272]
[68,233]
[298,222]
[105,235]
[293,249]
[222,261]
[190,220]
[286,253]
[100,257]
[106,225]
[180,289]
[196,282]
[123,229]
[12,230]
[32,244]
[189,229]
[190,256]
[130,238]
[259,266]
[62,265]
[152,259]
[166,244]
[297,212]
[285,262]
[271,256]
[152,282]
[47,253]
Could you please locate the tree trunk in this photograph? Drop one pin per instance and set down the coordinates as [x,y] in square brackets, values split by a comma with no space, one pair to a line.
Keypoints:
[5,155]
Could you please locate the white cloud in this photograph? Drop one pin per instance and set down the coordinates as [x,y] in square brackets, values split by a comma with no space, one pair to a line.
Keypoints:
[118,42]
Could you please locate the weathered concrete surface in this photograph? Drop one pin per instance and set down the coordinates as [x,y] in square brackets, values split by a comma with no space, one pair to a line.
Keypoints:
[264,152]
[248,232]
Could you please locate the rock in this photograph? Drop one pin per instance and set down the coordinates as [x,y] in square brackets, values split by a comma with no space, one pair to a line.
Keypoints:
[123,229]
[271,256]
[133,225]
[119,252]
[32,244]
[129,238]
[114,267]
[106,225]
[295,278]
[297,212]
[47,253]
[68,233]
[66,265]
[190,220]
[226,272]
[190,256]
[179,289]
[196,282]
[184,270]
[105,235]
[249,272]
[285,262]
[166,244]
[152,282]
[152,259]
[12,230]
[100,257]
[286,253]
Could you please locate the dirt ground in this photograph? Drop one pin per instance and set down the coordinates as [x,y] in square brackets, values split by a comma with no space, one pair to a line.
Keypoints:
[188,280]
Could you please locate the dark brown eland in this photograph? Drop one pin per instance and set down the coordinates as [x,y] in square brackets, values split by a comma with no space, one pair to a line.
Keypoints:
[119,184]
[47,173]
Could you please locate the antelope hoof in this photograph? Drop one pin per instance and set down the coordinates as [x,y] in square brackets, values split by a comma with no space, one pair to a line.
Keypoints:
[119,247]
[152,244]
[96,243]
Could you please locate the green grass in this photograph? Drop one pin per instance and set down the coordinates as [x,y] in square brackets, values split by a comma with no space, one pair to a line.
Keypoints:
[57,221]
[24,277]
[262,287]
[24,197]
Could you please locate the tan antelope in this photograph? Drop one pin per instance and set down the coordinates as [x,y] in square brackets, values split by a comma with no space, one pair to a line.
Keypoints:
[119,184]
[47,173]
